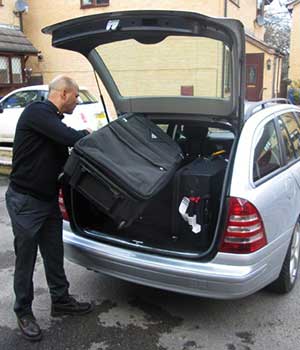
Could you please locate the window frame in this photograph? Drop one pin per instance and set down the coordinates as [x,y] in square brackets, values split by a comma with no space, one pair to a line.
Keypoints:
[11,83]
[93,5]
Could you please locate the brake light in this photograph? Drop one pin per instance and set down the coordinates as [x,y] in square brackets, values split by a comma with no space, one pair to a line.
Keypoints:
[244,231]
[62,207]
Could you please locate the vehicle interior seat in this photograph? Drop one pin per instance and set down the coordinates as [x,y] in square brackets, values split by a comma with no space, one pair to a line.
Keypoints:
[195,143]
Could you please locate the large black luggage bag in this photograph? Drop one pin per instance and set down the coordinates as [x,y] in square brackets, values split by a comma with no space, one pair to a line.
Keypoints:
[197,191]
[122,165]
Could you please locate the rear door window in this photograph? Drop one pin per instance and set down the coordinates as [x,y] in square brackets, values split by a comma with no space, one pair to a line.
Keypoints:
[267,152]
[289,130]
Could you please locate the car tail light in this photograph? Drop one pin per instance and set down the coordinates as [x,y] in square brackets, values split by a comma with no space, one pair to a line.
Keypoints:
[62,207]
[244,231]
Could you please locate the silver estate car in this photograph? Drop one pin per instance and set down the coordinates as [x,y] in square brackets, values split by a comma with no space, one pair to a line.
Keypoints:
[186,72]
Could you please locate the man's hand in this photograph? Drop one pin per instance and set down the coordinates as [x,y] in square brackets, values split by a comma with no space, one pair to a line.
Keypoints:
[89,130]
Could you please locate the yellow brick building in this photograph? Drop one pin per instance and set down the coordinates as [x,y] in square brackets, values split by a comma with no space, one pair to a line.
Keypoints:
[294,70]
[14,48]
[53,61]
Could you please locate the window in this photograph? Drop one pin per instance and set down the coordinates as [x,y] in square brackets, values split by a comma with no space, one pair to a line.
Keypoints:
[22,99]
[11,70]
[288,146]
[267,152]
[85,98]
[197,67]
[94,3]
[4,70]
[293,130]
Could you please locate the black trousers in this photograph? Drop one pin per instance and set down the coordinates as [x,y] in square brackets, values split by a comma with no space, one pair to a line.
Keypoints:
[36,224]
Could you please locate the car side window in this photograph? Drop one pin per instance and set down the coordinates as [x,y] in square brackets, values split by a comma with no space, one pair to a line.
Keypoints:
[293,130]
[21,99]
[287,128]
[267,152]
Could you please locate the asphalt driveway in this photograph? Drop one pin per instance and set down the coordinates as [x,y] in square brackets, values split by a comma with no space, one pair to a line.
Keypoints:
[132,317]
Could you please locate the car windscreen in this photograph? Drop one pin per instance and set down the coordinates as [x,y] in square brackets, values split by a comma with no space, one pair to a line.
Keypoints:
[85,98]
[175,66]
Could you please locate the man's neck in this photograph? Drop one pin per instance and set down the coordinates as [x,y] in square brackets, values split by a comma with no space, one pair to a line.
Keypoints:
[56,103]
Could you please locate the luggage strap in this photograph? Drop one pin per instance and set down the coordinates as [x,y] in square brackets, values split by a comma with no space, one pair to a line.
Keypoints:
[192,210]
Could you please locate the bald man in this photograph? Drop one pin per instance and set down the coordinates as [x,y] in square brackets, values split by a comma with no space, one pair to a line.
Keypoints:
[39,152]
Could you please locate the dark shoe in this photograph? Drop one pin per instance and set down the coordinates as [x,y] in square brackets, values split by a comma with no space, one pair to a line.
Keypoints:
[70,306]
[29,328]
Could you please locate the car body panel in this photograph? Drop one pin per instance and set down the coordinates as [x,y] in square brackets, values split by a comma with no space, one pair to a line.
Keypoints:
[225,277]
[86,33]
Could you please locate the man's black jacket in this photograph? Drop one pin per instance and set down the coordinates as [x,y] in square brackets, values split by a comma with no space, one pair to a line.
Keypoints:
[40,150]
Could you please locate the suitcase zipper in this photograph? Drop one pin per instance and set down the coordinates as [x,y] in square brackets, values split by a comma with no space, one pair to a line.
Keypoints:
[162,154]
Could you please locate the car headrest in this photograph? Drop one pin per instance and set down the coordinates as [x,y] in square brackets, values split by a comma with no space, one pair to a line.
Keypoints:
[195,131]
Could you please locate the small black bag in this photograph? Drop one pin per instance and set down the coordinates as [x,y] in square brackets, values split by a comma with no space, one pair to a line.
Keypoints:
[122,165]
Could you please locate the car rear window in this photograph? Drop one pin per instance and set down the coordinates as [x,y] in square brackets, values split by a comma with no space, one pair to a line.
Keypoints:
[174,66]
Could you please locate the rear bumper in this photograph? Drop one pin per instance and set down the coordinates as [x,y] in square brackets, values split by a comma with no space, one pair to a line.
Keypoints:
[226,277]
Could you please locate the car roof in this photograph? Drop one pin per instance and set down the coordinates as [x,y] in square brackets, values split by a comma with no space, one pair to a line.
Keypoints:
[40,87]
[253,107]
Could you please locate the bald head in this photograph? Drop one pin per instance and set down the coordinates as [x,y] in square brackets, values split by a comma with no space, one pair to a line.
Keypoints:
[63,92]
[62,82]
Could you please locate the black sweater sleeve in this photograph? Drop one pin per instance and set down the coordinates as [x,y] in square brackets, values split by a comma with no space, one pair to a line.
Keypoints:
[47,122]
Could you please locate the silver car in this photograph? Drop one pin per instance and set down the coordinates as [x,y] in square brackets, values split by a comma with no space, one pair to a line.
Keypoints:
[186,71]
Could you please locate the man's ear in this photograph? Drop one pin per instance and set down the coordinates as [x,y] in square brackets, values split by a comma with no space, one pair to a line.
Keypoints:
[63,94]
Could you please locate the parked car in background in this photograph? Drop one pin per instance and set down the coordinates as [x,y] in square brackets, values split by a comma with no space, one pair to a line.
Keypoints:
[87,114]
[249,236]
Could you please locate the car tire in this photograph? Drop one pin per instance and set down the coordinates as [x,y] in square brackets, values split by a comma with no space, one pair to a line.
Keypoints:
[289,271]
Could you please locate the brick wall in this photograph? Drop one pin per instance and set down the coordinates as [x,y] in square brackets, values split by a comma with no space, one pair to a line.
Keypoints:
[294,72]
[6,13]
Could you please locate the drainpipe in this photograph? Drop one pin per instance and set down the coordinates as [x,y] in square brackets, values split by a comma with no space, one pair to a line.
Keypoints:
[275,58]
[225,7]
[278,75]
[21,21]
[20,15]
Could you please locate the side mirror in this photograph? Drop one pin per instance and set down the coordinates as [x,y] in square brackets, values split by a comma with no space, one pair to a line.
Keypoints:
[1,108]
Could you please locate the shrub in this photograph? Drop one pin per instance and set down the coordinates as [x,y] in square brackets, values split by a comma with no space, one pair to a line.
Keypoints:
[294,92]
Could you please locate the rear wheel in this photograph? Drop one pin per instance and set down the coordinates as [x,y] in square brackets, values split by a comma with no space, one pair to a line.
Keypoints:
[288,274]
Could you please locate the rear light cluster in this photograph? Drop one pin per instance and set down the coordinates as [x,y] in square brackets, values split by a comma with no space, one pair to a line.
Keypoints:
[244,231]
[62,207]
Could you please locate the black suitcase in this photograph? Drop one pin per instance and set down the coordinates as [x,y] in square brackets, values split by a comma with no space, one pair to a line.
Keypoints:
[197,190]
[122,165]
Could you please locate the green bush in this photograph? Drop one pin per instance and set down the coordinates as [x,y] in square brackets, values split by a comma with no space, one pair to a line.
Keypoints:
[294,92]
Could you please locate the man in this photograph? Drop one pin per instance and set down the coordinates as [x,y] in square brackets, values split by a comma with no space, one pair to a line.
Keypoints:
[39,153]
